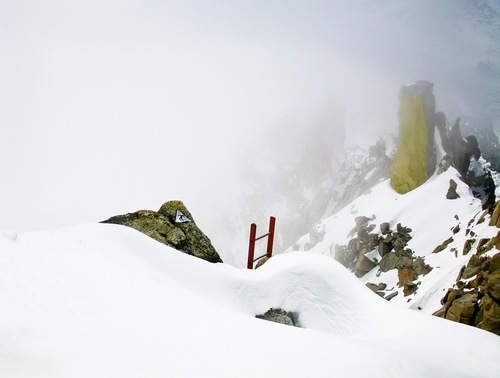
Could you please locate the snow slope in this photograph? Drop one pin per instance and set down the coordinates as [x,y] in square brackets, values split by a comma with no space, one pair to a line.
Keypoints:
[104,300]
[430,216]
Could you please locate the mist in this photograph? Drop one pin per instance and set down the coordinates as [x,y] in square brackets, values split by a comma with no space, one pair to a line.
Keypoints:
[109,107]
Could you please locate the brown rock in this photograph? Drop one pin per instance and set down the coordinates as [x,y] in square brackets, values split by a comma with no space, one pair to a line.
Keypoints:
[495,217]
[406,275]
[364,264]
[384,228]
[492,286]
[452,191]
[443,246]
[489,315]
[463,309]
[482,246]
[495,263]
[468,245]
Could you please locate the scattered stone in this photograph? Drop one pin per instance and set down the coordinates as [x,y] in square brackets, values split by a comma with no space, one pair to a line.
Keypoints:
[443,246]
[391,247]
[456,229]
[384,228]
[410,288]
[376,287]
[392,295]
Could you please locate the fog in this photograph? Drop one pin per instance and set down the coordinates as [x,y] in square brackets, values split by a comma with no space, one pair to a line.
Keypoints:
[108,107]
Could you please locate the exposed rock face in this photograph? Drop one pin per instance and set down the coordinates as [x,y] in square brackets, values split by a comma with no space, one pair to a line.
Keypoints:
[415,159]
[172,225]
[475,171]
[486,138]
[476,298]
[278,315]
[360,255]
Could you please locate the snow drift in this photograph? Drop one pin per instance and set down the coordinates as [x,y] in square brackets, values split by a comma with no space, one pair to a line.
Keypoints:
[106,300]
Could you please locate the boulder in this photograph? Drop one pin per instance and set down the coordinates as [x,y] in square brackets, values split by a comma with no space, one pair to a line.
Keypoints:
[489,315]
[452,191]
[495,217]
[172,225]
[463,309]
[364,265]
[278,315]
[492,286]
[389,261]
[415,159]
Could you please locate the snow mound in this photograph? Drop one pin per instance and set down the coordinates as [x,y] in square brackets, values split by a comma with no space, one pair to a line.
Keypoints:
[106,300]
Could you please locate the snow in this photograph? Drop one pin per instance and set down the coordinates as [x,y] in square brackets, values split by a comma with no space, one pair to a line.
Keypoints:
[105,300]
[430,216]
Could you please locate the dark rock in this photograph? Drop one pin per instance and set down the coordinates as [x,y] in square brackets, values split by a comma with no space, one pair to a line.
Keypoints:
[492,286]
[488,202]
[384,249]
[389,261]
[495,217]
[392,295]
[384,228]
[470,272]
[172,225]
[361,222]
[406,276]
[495,263]
[443,246]
[278,315]
[452,191]
[463,309]
[468,245]
[410,288]
[364,265]
[420,267]
[376,287]
[459,306]
[482,246]
[489,315]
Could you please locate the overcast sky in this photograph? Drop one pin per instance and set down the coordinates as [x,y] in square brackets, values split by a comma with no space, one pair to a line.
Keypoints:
[107,107]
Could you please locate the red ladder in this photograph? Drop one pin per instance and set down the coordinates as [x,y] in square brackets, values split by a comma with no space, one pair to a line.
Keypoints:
[253,239]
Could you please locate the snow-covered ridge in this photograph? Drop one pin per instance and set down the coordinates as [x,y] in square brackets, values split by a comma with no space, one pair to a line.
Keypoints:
[106,300]
[430,216]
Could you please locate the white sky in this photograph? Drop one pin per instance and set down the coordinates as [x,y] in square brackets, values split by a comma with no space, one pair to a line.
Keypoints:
[108,107]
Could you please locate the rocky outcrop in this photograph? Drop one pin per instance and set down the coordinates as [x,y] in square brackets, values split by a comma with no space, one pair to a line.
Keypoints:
[172,225]
[466,157]
[487,140]
[476,299]
[387,251]
[278,315]
[415,159]
[368,173]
